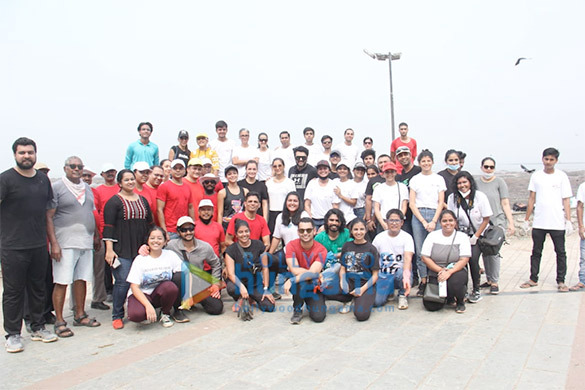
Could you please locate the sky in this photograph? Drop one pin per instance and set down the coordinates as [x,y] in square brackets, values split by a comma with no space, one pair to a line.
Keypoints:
[78,76]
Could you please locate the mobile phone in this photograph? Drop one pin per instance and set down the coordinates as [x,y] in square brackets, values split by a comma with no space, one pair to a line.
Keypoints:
[116,263]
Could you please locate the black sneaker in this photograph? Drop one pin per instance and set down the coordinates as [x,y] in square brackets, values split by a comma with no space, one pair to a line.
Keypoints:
[485,285]
[494,289]
[50,318]
[421,290]
[99,306]
[180,317]
[451,302]
[475,296]
[460,308]
[296,317]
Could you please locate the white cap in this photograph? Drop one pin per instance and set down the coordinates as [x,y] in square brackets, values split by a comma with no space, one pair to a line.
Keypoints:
[205,160]
[88,170]
[205,202]
[176,162]
[345,163]
[184,220]
[208,176]
[141,166]
[108,167]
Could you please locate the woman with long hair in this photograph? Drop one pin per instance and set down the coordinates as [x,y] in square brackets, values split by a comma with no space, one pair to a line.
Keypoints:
[264,158]
[278,186]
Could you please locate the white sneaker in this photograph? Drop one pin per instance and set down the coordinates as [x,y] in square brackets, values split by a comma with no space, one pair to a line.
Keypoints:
[346,308]
[166,320]
[43,335]
[14,344]
[402,302]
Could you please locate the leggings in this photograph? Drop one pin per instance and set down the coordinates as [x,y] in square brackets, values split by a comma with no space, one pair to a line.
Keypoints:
[163,296]
[456,289]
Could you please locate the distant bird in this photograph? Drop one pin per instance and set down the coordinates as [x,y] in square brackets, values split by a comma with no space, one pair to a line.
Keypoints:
[520,59]
[526,169]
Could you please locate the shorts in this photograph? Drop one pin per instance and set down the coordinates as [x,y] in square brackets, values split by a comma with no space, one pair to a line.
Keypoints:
[75,264]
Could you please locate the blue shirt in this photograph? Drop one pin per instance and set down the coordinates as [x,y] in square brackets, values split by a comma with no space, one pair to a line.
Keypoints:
[137,151]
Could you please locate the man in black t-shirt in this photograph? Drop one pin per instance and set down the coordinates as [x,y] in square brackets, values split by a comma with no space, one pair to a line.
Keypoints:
[302,173]
[24,198]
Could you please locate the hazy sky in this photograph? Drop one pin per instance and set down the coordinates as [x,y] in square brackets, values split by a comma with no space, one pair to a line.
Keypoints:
[78,76]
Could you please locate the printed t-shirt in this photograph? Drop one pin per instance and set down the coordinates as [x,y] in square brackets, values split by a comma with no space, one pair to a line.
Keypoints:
[149,272]
[362,258]
[392,250]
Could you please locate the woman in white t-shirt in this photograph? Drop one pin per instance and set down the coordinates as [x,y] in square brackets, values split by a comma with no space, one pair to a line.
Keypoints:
[346,192]
[473,211]
[427,195]
[446,253]
[151,281]
[243,153]
[264,158]
[278,186]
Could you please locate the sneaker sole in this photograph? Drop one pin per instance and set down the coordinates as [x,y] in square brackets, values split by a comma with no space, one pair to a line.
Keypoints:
[167,325]
[14,350]
[44,340]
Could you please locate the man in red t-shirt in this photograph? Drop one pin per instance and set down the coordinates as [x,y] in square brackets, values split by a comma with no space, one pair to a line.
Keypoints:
[305,258]
[403,140]
[194,167]
[258,226]
[208,230]
[209,183]
[174,199]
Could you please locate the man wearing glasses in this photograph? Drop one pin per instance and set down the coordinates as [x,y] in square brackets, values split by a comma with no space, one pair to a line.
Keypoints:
[302,172]
[326,143]
[73,234]
[368,143]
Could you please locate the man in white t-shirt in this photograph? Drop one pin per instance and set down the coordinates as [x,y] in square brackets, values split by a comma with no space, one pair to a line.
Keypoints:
[550,191]
[389,195]
[396,249]
[348,150]
[314,149]
[224,147]
[285,151]
[320,195]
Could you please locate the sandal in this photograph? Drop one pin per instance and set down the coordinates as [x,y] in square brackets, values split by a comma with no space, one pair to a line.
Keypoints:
[577,287]
[562,287]
[90,323]
[528,284]
[62,330]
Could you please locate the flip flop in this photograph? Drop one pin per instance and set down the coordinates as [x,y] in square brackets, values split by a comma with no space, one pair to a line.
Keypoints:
[577,287]
[528,284]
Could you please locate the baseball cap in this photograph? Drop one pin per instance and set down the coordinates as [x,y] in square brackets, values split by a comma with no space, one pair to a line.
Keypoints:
[204,135]
[194,161]
[208,176]
[206,161]
[177,162]
[183,133]
[205,202]
[87,170]
[345,163]
[141,166]
[403,149]
[323,163]
[389,166]
[335,151]
[108,167]
[359,165]
[184,220]
[229,168]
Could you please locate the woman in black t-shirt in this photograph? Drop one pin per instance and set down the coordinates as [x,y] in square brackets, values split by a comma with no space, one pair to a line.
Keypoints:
[359,270]
[181,151]
[247,269]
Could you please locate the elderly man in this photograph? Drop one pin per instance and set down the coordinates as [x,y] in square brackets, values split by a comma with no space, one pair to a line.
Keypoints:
[24,196]
[73,234]
[205,151]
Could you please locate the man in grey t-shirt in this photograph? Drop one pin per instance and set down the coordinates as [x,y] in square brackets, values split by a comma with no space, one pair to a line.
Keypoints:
[73,235]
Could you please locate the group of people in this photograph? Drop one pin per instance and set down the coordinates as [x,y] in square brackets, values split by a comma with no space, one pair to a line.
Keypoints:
[319,222]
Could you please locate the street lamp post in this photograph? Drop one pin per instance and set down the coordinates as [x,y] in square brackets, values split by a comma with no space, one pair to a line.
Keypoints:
[390,57]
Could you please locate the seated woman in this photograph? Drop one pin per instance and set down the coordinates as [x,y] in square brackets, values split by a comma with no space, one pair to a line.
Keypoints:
[359,270]
[151,281]
[446,252]
[246,262]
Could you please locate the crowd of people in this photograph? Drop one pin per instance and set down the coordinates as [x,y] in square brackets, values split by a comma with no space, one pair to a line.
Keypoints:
[320,222]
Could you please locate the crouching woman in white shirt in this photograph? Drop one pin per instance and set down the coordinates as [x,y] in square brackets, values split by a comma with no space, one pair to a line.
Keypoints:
[151,281]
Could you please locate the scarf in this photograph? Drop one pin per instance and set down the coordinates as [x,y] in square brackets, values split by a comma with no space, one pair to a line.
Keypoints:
[78,190]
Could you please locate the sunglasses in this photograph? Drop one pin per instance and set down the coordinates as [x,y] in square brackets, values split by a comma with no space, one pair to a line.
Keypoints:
[185,138]
[302,231]
[208,182]
[367,143]
[489,167]
[263,139]
[74,166]
[186,229]
[300,158]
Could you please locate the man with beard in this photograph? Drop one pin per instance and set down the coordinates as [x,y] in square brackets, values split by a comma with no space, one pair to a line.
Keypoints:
[173,199]
[209,230]
[199,254]
[320,195]
[209,182]
[258,226]
[24,197]
[334,235]
[409,170]
[302,173]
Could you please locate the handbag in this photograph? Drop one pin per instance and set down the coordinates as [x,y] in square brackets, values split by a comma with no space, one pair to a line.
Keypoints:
[492,240]
[431,293]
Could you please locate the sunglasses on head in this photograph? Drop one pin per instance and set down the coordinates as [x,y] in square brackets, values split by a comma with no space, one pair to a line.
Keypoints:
[186,229]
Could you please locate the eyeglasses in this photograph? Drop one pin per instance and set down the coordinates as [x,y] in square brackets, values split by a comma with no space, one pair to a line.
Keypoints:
[186,229]
[263,139]
[74,166]
[394,221]
[300,158]
[489,167]
[302,231]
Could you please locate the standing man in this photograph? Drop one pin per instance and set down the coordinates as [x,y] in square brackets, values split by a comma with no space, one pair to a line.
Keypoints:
[173,200]
[403,140]
[320,195]
[25,195]
[206,151]
[194,169]
[368,143]
[285,150]
[210,183]
[305,258]
[223,147]
[313,150]
[409,170]
[349,151]
[302,172]
[326,143]
[550,191]
[143,149]
[72,232]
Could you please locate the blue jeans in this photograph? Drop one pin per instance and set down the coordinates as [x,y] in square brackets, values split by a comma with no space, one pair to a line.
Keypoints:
[360,212]
[582,263]
[121,287]
[419,233]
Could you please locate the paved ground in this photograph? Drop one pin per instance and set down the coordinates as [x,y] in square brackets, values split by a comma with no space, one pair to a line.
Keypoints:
[519,339]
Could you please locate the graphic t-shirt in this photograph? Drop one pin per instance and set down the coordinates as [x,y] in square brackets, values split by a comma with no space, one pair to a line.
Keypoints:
[149,272]
[359,258]
[392,250]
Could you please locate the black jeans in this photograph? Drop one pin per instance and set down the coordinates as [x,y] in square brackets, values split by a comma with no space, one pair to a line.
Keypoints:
[558,239]
[48,302]
[23,270]
[474,266]
[456,289]
[304,293]
[211,305]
